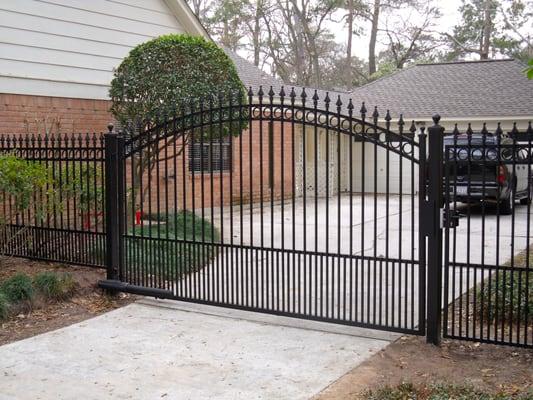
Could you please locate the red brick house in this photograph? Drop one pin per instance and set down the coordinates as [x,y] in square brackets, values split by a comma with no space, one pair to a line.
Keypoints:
[56,64]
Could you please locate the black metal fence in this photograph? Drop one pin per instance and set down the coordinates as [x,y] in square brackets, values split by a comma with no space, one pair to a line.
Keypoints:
[72,230]
[295,217]
[488,276]
[297,205]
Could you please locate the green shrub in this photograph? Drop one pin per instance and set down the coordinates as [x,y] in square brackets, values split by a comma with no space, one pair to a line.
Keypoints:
[21,178]
[18,288]
[167,76]
[508,295]
[68,285]
[84,183]
[4,306]
[53,286]
[159,248]
[166,73]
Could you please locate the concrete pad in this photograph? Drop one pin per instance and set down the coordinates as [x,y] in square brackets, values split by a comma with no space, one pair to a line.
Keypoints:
[149,351]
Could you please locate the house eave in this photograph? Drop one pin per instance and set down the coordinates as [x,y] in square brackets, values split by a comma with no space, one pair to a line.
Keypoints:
[488,118]
[186,17]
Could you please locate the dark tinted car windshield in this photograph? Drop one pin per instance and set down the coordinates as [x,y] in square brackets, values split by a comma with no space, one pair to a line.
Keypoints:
[477,140]
[477,150]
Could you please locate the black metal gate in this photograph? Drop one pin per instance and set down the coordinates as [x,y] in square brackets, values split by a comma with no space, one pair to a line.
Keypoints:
[283,204]
[488,278]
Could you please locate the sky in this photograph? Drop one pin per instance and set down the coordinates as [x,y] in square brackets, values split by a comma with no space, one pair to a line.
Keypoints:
[450,17]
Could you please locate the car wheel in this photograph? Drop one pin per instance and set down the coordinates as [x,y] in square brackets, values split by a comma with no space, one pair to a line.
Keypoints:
[507,205]
[527,200]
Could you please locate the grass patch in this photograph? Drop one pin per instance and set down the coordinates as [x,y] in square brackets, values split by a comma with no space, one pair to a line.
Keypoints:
[408,391]
[18,288]
[508,295]
[53,286]
[159,249]
[4,306]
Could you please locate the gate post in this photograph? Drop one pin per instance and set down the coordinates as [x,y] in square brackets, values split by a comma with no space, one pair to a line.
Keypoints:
[434,227]
[114,152]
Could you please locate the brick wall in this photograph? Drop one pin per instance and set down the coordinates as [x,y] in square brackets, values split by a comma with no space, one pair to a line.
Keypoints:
[40,114]
[20,114]
[222,188]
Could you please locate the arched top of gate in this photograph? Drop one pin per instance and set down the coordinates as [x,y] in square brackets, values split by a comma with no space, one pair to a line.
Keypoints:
[233,112]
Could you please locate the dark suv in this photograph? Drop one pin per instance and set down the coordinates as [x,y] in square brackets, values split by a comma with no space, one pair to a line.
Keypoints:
[488,176]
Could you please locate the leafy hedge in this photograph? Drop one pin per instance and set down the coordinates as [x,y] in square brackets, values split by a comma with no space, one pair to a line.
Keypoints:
[529,69]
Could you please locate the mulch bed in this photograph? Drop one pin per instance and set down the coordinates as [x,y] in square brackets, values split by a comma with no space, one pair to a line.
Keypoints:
[493,369]
[87,302]
[489,368]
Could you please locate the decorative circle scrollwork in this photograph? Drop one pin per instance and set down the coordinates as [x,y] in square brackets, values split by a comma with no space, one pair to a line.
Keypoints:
[277,113]
[256,112]
[407,149]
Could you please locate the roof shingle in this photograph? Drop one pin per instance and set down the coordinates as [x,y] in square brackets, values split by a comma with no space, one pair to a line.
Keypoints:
[251,75]
[470,89]
[494,88]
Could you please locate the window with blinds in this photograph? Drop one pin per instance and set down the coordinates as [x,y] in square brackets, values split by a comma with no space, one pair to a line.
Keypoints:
[210,156]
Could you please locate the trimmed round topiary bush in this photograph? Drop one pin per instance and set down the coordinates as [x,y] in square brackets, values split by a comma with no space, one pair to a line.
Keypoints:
[165,73]
[4,306]
[18,288]
[168,76]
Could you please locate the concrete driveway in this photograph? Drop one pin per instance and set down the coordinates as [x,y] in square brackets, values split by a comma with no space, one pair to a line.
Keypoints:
[162,349]
[389,227]
[383,293]
[154,350]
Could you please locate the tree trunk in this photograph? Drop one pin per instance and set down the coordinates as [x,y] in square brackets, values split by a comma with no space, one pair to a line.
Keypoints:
[257,32]
[316,66]
[373,38]
[300,57]
[487,28]
[349,43]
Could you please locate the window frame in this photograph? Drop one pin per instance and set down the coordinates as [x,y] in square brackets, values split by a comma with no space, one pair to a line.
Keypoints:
[198,164]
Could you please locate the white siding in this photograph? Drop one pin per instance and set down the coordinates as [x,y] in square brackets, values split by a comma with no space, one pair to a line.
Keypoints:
[69,48]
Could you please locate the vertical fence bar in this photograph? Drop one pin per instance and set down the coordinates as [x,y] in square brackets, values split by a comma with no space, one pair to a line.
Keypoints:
[114,146]
[121,203]
[434,232]
[422,182]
